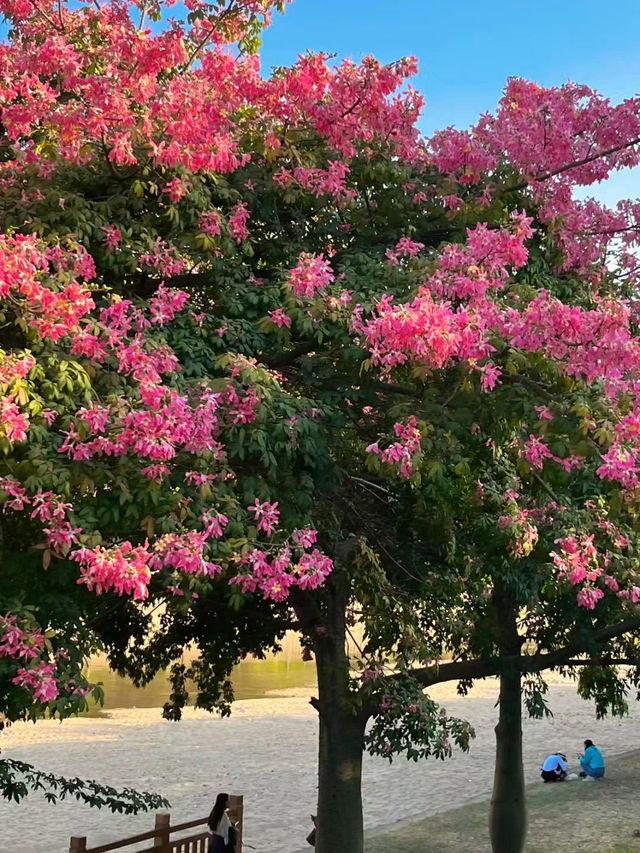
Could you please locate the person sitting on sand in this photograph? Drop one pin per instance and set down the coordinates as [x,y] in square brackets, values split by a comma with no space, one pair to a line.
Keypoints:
[592,762]
[555,768]
[221,826]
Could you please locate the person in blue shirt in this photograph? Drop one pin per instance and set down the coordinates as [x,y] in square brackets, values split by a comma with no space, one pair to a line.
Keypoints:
[555,768]
[592,762]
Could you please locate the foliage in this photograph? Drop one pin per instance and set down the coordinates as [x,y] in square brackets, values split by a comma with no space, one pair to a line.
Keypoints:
[411,724]
[250,321]
[17,779]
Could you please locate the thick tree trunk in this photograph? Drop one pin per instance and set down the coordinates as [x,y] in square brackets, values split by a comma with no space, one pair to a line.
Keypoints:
[342,726]
[340,827]
[508,814]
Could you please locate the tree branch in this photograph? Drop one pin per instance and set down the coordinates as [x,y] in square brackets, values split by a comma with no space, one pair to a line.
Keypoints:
[392,388]
[457,670]
[203,42]
[282,359]
[547,488]
[544,176]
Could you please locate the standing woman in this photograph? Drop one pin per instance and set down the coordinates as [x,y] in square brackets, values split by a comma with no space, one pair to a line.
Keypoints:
[219,824]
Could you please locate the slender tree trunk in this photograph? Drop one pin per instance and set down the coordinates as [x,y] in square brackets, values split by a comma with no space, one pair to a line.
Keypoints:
[508,814]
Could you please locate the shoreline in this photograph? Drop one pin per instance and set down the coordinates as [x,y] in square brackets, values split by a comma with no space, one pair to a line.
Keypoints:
[267,751]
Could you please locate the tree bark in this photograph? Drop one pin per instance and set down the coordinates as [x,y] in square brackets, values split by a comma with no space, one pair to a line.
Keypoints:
[339,823]
[342,725]
[508,813]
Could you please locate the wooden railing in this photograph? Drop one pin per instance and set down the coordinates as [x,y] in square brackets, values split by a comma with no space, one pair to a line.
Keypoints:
[160,835]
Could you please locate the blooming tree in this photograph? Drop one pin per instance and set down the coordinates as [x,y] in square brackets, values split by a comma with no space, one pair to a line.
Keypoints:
[240,309]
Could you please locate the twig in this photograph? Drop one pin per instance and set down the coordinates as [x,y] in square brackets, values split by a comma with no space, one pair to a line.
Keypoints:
[194,53]
[547,488]
[544,176]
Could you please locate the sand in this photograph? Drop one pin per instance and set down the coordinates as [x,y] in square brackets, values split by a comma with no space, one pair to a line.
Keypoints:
[267,751]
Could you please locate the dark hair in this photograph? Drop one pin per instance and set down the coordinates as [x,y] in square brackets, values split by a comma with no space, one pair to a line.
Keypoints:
[217,811]
[588,743]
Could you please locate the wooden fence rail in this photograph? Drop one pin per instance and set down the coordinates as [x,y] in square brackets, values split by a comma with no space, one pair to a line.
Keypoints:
[160,835]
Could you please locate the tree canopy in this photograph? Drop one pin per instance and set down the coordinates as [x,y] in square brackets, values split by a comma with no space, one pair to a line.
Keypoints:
[270,356]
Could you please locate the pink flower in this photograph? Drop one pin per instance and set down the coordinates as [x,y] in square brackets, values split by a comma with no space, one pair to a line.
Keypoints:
[40,681]
[304,538]
[238,222]
[266,514]
[280,318]
[210,223]
[405,248]
[543,413]
[536,451]
[166,303]
[12,420]
[177,189]
[113,236]
[589,597]
[403,452]
[17,642]
[313,273]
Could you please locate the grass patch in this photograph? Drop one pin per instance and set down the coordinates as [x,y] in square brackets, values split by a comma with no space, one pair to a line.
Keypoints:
[593,817]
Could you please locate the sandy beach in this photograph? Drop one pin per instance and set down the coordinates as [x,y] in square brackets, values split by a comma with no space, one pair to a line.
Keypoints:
[267,751]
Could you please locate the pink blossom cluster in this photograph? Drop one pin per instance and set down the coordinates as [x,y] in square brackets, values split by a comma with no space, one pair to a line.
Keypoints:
[164,259]
[241,409]
[176,189]
[430,330]
[185,552]
[166,303]
[210,223]
[424,330]
[238,222]
[266,515]
[18,642]
[578,560]
[113,236]
[590,344]
[295,564]
[13,422]
[484,263]
[331,181]
[26,645]
[121,568]
[124,96]
[280,319]
[535,451]
[40,680]
[621,461]
[557,139]
[312,274]
[53,312]
[405,248]
[403,452]
[541,131]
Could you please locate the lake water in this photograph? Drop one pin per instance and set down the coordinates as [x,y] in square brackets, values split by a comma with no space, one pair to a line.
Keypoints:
[252,679]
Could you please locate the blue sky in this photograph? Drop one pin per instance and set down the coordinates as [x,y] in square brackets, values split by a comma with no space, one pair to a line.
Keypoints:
[467,49]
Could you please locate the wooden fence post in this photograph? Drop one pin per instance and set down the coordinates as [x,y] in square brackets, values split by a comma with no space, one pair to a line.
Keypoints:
[163,827]
[236,807]
[78,845]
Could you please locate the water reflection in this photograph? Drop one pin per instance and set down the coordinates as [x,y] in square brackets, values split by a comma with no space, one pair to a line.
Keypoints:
[252,679]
